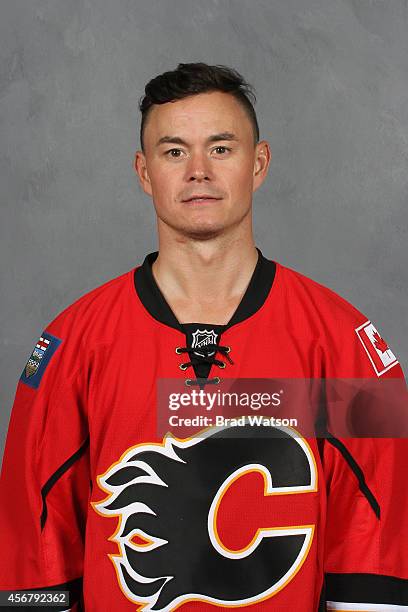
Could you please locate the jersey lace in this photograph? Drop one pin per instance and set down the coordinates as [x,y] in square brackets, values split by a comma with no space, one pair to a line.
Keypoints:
[207,355]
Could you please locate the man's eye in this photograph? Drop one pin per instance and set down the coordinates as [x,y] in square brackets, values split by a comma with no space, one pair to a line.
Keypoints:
[171,151]
[221,147]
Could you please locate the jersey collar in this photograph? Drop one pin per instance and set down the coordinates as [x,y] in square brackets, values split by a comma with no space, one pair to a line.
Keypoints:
[153,300]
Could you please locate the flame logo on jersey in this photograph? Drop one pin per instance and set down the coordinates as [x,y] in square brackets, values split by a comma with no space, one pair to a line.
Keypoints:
[180,503]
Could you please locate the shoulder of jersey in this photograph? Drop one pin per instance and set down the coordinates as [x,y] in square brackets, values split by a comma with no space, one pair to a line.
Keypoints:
[93,315]
[319,299]
[89,321]
[329,316]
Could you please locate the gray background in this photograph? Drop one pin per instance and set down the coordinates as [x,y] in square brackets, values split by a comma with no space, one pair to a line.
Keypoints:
[331,78]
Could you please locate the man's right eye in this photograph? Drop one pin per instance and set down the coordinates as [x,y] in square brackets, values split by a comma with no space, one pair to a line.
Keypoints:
[171,150]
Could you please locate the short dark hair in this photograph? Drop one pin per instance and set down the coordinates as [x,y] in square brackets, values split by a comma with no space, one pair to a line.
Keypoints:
[195,78]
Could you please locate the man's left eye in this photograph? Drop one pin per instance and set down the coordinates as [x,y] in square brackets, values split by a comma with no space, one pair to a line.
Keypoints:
[221,147]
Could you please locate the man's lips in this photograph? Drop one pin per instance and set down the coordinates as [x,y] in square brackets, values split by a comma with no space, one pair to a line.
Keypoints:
[201,199]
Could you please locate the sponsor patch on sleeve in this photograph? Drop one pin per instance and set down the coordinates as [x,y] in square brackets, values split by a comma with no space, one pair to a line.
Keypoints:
[379,353]
[39,359]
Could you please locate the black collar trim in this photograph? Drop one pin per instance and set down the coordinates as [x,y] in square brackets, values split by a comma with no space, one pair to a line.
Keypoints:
[153,300]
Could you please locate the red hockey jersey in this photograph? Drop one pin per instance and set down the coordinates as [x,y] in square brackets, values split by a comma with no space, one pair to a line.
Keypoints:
[94,501]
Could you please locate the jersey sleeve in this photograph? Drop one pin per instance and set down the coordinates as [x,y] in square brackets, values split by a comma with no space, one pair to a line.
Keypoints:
[366,544]
[45,476]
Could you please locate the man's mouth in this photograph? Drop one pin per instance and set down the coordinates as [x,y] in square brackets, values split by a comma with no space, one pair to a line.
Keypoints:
[201,200]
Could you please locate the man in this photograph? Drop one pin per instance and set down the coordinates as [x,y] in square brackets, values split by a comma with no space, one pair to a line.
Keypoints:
[96,501]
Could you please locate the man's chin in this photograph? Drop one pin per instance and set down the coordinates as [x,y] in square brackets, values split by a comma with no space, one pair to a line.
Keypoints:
[199,226]
[202,233]
[197,230]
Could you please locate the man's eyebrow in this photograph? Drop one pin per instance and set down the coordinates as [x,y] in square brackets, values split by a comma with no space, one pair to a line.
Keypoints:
[212,138]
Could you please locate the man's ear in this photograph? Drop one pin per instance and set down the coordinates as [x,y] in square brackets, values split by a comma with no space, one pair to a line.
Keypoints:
[142,173]
[263,156]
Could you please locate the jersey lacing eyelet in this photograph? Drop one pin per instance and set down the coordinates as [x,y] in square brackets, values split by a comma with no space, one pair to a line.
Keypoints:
[208,356]
[216,381]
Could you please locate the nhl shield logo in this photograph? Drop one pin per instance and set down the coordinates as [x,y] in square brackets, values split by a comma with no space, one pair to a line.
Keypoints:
[202,337]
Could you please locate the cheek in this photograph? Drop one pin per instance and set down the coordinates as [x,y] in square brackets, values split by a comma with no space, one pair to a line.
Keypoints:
[241,179]
[165,182]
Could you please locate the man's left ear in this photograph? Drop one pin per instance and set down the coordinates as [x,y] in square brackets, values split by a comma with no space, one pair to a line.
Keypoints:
[263,157]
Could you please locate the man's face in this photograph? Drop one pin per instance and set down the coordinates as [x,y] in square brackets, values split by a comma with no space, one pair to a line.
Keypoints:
[200,145]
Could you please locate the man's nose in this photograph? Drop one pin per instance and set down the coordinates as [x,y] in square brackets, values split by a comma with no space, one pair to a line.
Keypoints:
[199,167]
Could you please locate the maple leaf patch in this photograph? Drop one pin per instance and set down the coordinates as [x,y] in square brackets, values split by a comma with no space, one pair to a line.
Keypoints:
[379,353]
[380,343]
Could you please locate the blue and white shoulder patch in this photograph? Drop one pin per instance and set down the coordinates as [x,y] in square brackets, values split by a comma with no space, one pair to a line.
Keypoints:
[39,359]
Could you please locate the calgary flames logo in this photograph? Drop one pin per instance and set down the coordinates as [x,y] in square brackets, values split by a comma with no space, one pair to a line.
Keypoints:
[195,516]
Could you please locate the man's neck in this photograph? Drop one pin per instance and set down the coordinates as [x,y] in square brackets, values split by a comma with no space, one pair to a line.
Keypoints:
[204,282]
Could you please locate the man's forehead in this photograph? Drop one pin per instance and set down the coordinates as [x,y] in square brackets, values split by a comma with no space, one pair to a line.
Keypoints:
[183,130]
[215,137]
[223,113]
[199,126]
[212,118]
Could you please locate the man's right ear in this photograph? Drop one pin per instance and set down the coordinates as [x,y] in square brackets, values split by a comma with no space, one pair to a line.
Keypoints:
[142,173]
